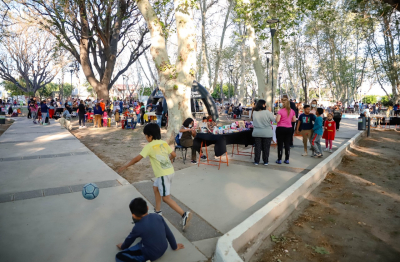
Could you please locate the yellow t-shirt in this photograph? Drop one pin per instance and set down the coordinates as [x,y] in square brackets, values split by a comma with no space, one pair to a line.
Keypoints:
[158,151]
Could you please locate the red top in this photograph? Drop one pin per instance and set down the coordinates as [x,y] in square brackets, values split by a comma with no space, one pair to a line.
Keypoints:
[329,130]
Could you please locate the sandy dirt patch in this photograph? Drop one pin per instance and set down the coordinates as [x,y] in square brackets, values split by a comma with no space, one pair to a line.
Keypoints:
[353,215]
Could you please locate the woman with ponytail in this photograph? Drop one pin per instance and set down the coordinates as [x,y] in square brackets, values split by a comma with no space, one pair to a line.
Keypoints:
[284,131]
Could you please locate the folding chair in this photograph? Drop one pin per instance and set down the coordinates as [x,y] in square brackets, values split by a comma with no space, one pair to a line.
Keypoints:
[181,148]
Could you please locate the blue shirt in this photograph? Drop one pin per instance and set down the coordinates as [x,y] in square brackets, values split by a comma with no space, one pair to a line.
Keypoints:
[306,121]
[97,111]
[154,233]
[43,108]
[318,126]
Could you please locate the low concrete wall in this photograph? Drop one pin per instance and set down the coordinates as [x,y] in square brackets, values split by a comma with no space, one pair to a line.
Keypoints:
[250,233]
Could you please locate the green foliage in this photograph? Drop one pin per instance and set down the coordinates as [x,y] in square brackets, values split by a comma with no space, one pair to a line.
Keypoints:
[146,91]
[387,101]
[217,91]
[369,99]
[13,89]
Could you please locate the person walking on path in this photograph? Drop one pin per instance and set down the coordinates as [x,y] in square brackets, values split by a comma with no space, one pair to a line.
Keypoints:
[81,114]
[34,110]
[97,115]
[161,156]
[317,134]
[294,108]
[337,116]
[44,109]
[142,112]
[329,132]
[263,131]
[305,127]
[137,111]
[284,120]
[313,106]
[159,111]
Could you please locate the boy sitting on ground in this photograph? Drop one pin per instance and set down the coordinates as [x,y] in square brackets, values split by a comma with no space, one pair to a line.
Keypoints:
[161,156]
[152,230]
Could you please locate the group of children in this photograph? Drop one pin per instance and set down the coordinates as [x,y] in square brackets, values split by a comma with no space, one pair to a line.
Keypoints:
[312,128]
[152,228]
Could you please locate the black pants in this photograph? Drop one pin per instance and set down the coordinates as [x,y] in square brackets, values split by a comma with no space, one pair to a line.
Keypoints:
[293,128]
[142,119]
[337,121]
[29,113]
[283,135]
[262,143]
[81,119]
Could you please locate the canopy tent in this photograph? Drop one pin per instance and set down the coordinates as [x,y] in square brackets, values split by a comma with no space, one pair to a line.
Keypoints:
[198,92]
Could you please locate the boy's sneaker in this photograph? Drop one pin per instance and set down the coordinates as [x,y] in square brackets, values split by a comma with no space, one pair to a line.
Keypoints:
[187,216]
[84,127]
[80,127]
[326,149]
[203,157]
[158,212]
[266,164]
[286,162]
[317,155]
[278,162]
[193,162]
[330,151]
[256,164]
[305,154]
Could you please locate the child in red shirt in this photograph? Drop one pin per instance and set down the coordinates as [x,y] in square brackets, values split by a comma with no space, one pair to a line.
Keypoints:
[329,132]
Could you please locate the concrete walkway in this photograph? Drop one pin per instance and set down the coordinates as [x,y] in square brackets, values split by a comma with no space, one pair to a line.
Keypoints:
[43,216]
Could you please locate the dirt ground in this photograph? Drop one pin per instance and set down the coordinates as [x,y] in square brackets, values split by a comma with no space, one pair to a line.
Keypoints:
[116,146]
[4,127]
[353,215]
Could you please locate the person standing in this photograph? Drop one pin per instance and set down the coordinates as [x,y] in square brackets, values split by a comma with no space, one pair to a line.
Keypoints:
[317,134]
[313,106]
[337,116]
[296,111]
[121,106]
[304,127]
[34,108]
[142,112]
[81,114]
[137,111]
[263,131]
[97,115]
[284,120]
[159,111]
[44,111]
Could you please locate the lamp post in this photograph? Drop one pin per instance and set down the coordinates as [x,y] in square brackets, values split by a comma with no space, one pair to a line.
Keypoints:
[268,53]
[123,86]
[273,31]
[279,85]
[72,70]
[230,83]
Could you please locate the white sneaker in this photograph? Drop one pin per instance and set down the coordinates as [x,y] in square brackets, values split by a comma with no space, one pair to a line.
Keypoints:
[80,127]
[305,154]
[84,127]
[330,151]
[326,149]
[186,219]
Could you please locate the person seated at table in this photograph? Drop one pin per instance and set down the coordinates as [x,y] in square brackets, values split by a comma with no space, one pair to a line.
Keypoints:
[211,124]
[203,125]
[186,135]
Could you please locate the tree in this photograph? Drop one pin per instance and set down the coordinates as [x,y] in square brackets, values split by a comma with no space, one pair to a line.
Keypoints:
[370,99]
[175,79]
[29,53]
[96,33]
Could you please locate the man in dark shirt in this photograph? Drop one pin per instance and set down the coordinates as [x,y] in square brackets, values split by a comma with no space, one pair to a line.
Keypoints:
[153,231]
[294,108]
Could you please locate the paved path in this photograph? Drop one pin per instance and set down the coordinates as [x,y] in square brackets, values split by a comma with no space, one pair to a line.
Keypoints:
[42,210]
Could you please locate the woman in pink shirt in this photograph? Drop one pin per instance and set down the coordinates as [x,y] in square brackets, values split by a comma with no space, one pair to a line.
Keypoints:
[284,131]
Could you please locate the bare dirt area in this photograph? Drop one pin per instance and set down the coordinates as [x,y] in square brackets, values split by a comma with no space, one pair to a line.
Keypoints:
[117,146]
[4,127]
[353,215]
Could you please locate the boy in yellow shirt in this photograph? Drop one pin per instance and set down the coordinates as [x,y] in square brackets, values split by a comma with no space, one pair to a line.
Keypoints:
[161,156]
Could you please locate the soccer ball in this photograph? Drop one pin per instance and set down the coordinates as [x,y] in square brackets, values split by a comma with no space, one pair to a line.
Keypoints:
[90,191]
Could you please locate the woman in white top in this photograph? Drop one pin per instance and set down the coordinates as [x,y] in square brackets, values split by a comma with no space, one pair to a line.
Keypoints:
[263,131]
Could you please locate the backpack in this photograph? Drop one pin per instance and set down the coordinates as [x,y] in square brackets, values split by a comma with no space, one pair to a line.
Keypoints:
[177,140]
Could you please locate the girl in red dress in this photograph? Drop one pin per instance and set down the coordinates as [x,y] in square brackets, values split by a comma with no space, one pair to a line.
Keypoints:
[329,132]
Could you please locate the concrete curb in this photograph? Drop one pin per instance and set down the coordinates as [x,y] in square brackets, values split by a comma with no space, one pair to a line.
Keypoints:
[250,233]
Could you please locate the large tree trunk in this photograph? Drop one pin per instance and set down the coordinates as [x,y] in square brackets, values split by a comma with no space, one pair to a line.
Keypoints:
[175,80]
[263,91]
[276,54]
[242,89]
[217,63]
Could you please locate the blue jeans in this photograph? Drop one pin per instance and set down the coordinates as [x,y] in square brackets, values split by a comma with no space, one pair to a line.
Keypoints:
[138,118]
[159,117]
[131,254]
[44,115]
